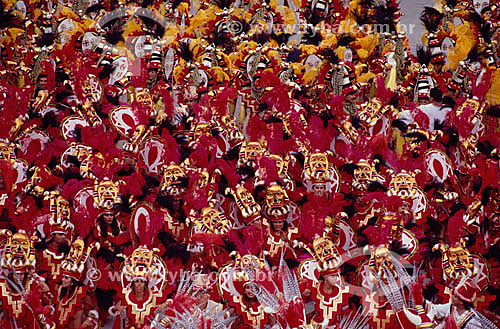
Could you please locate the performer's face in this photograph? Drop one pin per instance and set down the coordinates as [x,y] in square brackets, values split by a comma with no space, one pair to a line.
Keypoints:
[42,83]
[108,218]
[331,280]
[66,282]
[139,286]
[249,291]
[278,224]
[59,238]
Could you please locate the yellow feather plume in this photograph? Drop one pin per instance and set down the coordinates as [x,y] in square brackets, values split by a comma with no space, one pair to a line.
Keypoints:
[329,41]
[310,76]
[464,43]
[367,45]
[309,49]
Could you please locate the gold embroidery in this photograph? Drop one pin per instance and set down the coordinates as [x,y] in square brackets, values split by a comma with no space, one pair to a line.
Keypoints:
[55,269]
[255,316]
[64,308]
[376,309]
[17,305]
[140,313]
[329,306]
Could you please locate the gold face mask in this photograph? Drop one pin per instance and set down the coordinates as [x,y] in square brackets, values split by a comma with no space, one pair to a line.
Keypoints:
[245,266]
[63,209]
[233,131]
[458,258]
[106,194]
[380,262]
[364,174]
[19,252]
[404,185]
[214,221]
[140,263]
[172,178]
[326,254]
[7,152]
[250,153]
[371,112]
[76,251]
[317,167]
[276,197]
[143,97]
[246,202]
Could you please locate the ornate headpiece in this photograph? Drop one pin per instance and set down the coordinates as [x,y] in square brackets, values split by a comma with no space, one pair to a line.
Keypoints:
[456,259]
[106,195]
[404,185]
[172,180]
[276,204]
[211,220]
[250,153]
[60,213]
[318,171]
[365,174]
[244,201]
[144,264]
[74,263]
[7,152]
[327,255]
[19,253]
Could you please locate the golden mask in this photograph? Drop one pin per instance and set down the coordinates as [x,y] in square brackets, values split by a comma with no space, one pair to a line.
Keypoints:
[74,263]
[142,257]
[143,97]
[276,197]
[365,174]
[317,167]
[214,221]
[63,209]
[106,194]
[458,258]
[172,177]
[76,251]
[139,265]
[250,153]
[404,185]
[19,252]
[372,111]
[245,202]
[7,152]
[327,255]
[233,132]
[381,263]
[246,266]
